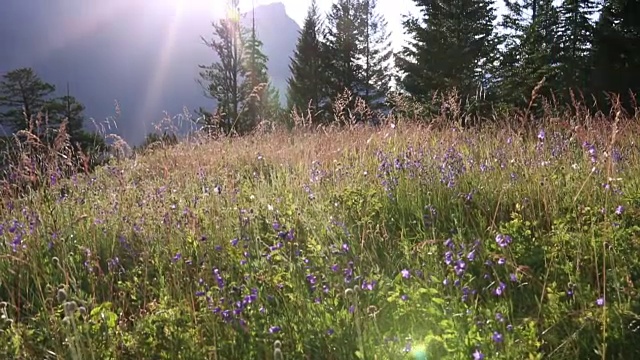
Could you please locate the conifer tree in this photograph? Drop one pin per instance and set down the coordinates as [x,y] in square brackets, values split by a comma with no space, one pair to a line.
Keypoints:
[22,95]
[375,54]
[306,85]
[616,50]
[68,108]
[223,79]
[530,51]
[256,80]
[341,41]
[272,108]
[575,36]
[451,46]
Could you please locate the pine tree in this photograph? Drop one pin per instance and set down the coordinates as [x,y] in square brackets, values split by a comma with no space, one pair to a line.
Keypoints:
[451,47]
[256,81]
[616,50]
[530,51]
[223,79]
[22,94]
[68,108]
[575,35]
[341,40]
[375,54]
[272,109]
[306,85]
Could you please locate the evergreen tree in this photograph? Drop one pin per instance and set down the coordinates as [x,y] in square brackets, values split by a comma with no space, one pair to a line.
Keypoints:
[616,50]
[223,79]
[68,108]
[306,86]
[22,95]
[451,47]
[271,108]
[375,54]
[341,40]
[256,82]
[575,35]
[530,51]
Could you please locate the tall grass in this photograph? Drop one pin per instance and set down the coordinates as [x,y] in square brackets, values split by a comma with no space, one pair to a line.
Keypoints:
[336,243]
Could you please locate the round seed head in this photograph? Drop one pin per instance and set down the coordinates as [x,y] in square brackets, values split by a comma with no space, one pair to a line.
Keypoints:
[61,296]
[70,307]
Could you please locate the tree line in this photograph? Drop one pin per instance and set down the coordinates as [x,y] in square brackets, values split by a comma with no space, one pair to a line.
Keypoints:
[583,49]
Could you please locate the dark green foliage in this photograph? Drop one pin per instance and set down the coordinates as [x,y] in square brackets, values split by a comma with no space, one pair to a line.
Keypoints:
[270,101]
[451,45]
[530,51]
[22,95]
[342,39]
[574,38]
[555,50]
[357,45]
[352,53]
[67,108]
[307,86]
[616,50]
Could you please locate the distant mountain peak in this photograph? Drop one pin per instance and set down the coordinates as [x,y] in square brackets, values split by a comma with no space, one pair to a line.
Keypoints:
[275,7]
[274,11]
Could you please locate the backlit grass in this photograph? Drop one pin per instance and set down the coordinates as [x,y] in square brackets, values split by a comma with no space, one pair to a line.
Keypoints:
[364,243]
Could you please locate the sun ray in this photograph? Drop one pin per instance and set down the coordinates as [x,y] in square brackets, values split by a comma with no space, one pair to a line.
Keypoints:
[160,72]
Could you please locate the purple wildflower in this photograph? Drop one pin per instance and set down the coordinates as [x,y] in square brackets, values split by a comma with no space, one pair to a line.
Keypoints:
[275,329]
[477,355]
[541,135]
[497,337]
[503,240]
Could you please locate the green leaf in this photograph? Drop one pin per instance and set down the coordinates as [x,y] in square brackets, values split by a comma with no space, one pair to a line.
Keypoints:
[438,301]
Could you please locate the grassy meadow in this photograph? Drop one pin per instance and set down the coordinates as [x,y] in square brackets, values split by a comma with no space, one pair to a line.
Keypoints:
[403,241]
